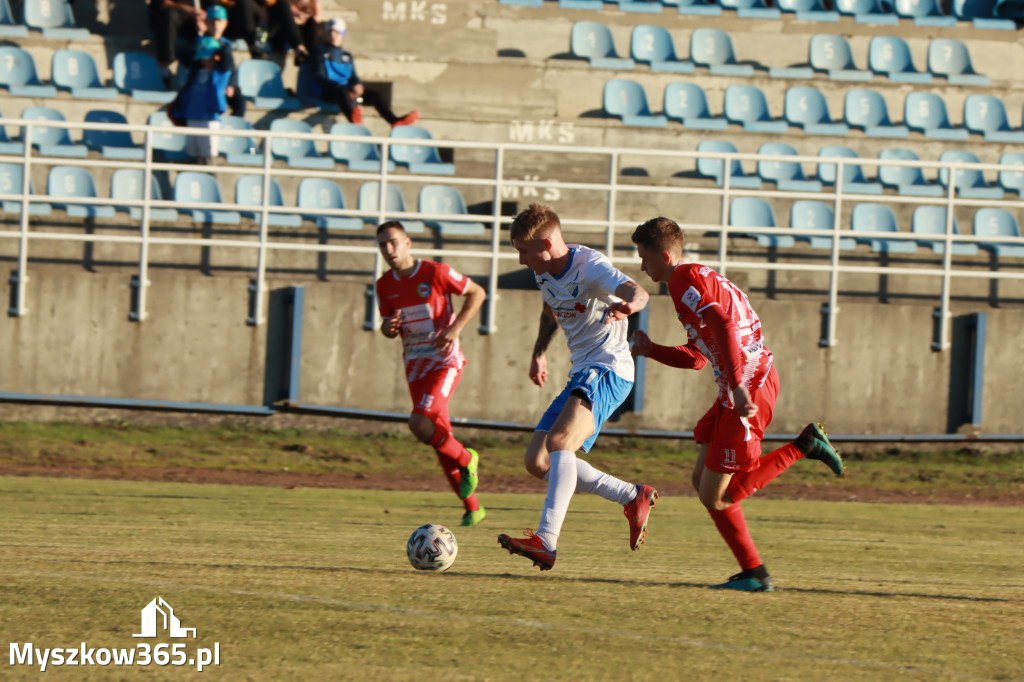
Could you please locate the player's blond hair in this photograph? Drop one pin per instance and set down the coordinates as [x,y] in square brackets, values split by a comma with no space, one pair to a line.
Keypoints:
[659,234]
[535,222]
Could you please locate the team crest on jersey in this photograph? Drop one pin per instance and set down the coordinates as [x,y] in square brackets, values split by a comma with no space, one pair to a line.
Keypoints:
[423,289]
[691,298]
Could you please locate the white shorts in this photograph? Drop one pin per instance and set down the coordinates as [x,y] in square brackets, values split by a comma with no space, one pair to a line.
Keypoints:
[202,145]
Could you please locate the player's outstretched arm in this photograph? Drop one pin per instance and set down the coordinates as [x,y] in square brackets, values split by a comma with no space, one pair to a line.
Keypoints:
[475,297]
[682,357]
[545,332]
[634,298]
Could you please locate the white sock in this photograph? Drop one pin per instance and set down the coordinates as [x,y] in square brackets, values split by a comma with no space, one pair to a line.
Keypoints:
[591,480]
[561,486]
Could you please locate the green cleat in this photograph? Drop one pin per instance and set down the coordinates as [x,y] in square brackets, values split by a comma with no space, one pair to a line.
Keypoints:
[471,518]
[468,478]
[813,442]
[746,582]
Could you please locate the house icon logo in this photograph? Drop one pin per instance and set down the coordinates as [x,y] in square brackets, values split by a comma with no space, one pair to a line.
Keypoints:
[157,615]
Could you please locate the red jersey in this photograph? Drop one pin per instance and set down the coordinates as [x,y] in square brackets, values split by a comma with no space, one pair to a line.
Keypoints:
[721,326]
[425,299]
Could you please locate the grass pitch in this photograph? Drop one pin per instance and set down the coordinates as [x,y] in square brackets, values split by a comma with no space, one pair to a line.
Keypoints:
[313,584]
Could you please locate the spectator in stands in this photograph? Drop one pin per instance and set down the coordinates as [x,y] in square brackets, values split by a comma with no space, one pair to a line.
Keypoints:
[336,74]
[295,25]
[246,19]
[168,19]
[203,99]
[216,27]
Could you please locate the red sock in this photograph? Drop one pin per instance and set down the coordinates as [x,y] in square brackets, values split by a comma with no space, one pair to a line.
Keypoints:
[445,443]
[451,472]
[745,484]
[732,526]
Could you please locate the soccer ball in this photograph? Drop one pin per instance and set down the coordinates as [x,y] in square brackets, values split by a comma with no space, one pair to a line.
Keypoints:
[432,548]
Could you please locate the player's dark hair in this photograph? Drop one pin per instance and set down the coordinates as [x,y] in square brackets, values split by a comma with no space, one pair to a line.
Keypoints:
[659,234]
[536,219]
[390,224]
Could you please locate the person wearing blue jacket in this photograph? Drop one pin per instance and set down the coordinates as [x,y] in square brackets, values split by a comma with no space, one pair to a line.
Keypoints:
[203,99]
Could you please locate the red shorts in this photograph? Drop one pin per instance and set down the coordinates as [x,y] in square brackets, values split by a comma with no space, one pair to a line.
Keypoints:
[732,445]
[431,393]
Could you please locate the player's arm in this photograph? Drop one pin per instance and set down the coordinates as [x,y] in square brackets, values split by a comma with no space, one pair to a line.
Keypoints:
[684,357]
[634,298]
[725,343]
[475,297]
[391,326]
[546,332]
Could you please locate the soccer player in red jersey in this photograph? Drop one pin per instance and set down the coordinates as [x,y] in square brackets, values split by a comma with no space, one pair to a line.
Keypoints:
[415,300]
[722,327]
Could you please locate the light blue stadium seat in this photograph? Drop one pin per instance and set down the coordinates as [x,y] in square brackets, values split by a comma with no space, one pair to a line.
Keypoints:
[751,9]
[832,54]
[48,140]
[998,222]
[238,150]
[592,40]
[879,218]
[127,183]
[712,48]
[923,12]
[249,192]
[748,106]
[926,112]
[299,153]
[1012,180]
[808,214]
[8,147]
[113,144]
[447,200]
[890,56]
[170,146]
[76,182]
[981,13]
[419,158]
[969,182]
[359,156]
[931,220]
[986,115]
[319,194]
[713,168]
[18,74]
[866,11]
[949,58]
[369,204]
[808,10]
[627,100]
[191,187]
[653,45]
[854,180]
[76,72]
[639,6]
[11,180]
[756,212]
[706,8]
[138,74]
[788,176]
[9,28]
[260,82]
[54,18]
[688,103]
[806,108]
[907,180]
[867,110]
[590,5]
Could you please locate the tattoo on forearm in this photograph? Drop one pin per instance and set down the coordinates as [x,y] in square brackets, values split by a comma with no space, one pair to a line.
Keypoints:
[546,332]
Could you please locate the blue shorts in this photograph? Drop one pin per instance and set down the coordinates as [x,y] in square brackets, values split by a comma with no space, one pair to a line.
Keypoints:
[604,390]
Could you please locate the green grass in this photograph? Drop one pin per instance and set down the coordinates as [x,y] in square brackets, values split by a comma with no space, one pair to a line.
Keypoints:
[313,584]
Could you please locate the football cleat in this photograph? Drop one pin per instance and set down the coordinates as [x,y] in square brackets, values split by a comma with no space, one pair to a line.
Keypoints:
[745,581]
[407,120]
[357,115]
[468,477]
[637,512]
[471,518]
[814,443]
[530,547]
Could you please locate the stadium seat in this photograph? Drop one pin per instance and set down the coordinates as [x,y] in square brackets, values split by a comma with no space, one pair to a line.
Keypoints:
[866,11]
[931,220]
[816,215]
[592,40]
[867,110]
[890,56]
[806,108]
[8,147]
[627,100]
[713,168]
[170,146]
[949,58]
[712,48]
[706,8]
[419,158]
[687,103]
[998,222]
[832,54]
[808,10]
[76,72]
[751,9]
[298,153]
[447,200]
[249,192]
[319,194]
[191,187]
[18,74]
[359,156]
[590,5]
[51,141]
[1011,180]
[925,112]
[981,13]
[138,75]
[906,180]
[54,19]
[260,82]
[986,115]
[11,180]
[756,212]
[969,182]
[879,218]
[747,106]
[9,28]
[923,12]
[653,45]
[113,144]
[126,183]
[76,182]
[369,205]
[788,176]
[238,150]
[854,180]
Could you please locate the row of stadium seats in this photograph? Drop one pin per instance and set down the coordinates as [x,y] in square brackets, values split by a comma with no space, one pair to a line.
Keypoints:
[806,108]
[315,197]
[53,18]
[829,54]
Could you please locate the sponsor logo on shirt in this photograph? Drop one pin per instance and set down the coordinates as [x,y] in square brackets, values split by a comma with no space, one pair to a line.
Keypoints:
[565,314]
[457,276]
[423,289]
[703,272]
[691,298]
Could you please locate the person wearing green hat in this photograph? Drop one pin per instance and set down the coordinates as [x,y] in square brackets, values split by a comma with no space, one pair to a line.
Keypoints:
[202,100]
[216,26]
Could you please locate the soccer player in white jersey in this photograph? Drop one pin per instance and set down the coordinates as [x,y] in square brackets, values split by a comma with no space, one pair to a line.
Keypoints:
[590,299]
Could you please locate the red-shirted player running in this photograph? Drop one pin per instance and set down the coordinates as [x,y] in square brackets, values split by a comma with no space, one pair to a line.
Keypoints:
[415,300]
[721,326]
